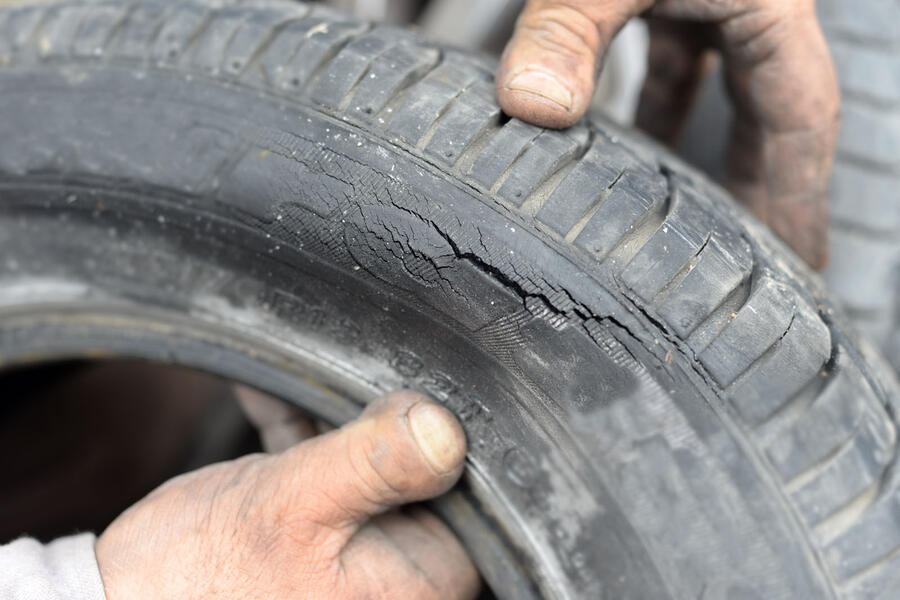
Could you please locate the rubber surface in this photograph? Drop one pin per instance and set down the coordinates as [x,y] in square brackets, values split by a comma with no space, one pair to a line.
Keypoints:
[660,400]
[865,187]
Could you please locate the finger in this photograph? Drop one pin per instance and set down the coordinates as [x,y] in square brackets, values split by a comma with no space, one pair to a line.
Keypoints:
[279,424]
[430,557]
[678,62]
[402,449]
[787,104]
[440,553]
[549,68]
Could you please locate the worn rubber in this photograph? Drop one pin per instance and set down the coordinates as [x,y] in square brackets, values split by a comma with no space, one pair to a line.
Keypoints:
[660,400]
[865,189]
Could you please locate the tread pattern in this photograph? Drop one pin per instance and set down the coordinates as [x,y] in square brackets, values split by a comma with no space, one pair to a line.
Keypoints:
[865,189]
[824,431]
[865,201]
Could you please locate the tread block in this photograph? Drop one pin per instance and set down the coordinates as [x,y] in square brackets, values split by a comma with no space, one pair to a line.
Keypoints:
[761,322]
[863,272]
[876,24]
[503,149]
[620,214]
[290,65]
[864,197]
[719,269]
[95,32]
[868,71]
[281,53]
[253,34]
[428,100]
[209,48]
[669,261]
[349,66]
[875,536]
[59,33]
[539,161]
[881,584]
[847,411]
[588,184]
[794,362]
[471,113]
[388,74]
[871,135]
[177,32]
[18,27]
[138,32]
[848,474]
[659,261]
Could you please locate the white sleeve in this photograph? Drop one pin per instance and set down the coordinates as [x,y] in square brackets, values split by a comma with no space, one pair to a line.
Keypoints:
[65,569]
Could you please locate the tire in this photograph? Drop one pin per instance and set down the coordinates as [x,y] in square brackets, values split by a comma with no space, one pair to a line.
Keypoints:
[864,194]
[864,273]
[660,400]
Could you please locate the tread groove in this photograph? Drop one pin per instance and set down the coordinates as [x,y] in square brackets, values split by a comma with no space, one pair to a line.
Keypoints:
[868,164]
[705,332]
[432,127]
[256,57]
[348,97]
[631,243]
[157,30]
[189,47]
[319,71]
[482,139]
[498,183]
[579,226]
[813,471]
[767,430]
[768,353]
[37,31]
[388,112]
[849,37]
[117,29]
[870,570]
[682,274]
[543,191]
[845,518]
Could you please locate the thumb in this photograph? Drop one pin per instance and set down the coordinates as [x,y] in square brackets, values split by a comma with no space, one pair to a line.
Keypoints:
[403,448]
[549,68]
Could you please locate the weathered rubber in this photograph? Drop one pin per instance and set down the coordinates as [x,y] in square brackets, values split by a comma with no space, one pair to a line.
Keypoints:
[757,458]
[865,189]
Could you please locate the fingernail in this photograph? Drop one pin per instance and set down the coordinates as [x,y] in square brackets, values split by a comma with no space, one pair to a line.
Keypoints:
[438,435]
[541,84]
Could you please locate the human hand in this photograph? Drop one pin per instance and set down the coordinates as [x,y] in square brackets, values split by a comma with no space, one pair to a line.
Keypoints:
[312,522]
[778,70]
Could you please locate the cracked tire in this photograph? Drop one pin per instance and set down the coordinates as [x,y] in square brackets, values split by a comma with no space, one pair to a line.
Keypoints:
[660,400]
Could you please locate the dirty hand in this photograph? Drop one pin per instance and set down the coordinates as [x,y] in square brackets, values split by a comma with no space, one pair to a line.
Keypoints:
[312,522]
[778,70]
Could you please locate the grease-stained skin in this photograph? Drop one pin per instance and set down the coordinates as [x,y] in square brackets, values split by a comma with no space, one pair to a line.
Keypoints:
[779,72]
[313,521]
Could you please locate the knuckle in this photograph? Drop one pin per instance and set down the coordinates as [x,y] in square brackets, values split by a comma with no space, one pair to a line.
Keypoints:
[755,37]
[757,31]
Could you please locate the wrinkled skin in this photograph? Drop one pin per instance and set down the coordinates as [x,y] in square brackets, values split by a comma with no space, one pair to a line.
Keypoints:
[316,521]
[778,70]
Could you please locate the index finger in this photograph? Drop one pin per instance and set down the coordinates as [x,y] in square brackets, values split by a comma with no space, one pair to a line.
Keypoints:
[787,105]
